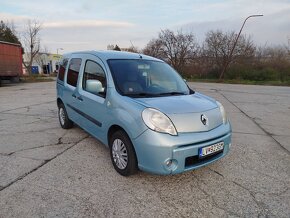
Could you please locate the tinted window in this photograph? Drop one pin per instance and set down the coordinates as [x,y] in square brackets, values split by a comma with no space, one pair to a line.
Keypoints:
[62,67]
[73,71]
[94,71]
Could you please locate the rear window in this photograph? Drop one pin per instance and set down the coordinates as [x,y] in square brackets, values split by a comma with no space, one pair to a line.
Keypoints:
[73,71]
[62,67]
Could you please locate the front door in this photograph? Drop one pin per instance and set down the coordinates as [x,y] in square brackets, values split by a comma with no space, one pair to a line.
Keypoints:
[93,105]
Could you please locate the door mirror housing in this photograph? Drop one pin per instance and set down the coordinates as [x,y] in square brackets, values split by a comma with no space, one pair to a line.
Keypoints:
[94,86]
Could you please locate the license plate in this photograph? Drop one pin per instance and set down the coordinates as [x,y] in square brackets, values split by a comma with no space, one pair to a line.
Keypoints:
[211,149]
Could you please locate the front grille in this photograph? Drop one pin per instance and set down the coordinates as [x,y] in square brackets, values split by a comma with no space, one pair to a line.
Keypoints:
[196,160]
[203,142]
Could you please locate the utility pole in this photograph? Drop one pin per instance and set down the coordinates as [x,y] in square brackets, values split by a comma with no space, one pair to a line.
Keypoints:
[232,50]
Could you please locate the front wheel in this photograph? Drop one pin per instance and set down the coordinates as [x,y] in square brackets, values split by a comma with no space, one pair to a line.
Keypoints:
[64,121]
[123,154]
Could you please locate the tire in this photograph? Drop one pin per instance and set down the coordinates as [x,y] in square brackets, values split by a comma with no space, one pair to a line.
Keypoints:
[64,121]
[15,79]
[123,154]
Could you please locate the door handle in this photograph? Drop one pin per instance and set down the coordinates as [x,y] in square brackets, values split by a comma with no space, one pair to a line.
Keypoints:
[79,97]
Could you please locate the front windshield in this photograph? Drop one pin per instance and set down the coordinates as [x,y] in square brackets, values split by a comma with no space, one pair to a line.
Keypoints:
[143,78]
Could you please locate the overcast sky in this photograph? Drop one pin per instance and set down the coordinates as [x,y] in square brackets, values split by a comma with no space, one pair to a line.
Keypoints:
[93,24]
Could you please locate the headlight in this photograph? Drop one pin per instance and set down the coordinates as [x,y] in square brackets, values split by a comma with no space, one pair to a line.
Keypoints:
[158,121]
[223,112]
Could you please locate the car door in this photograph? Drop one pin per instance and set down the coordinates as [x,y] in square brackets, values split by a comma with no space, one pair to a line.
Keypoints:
[93,105]
[70,93]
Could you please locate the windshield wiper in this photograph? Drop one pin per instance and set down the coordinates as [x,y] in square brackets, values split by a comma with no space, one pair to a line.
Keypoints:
[141,94]
[172,93]
[146,94]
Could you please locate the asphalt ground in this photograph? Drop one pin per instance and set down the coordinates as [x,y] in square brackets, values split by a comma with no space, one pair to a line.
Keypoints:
[46,171]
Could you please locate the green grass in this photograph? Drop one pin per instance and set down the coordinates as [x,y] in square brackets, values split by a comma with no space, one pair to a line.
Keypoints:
[37,78]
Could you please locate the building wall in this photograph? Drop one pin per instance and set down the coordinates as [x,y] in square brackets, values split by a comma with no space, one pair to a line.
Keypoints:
[46,62]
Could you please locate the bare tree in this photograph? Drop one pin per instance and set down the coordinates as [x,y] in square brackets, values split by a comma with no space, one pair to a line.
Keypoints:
[31,43]
[131,49]
[154,48]
[217,47]
[110,47]
[177,49]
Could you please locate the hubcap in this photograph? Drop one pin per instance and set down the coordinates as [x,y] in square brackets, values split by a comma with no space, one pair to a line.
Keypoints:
[61,116]
[119,153]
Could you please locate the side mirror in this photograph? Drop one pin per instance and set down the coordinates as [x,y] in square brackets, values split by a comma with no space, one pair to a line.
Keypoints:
[94,86]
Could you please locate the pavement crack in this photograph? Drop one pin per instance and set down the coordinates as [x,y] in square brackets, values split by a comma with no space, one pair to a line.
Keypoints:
[216,172]
[41,165]
[254,121]
[33,131]
[263,210]
[27,106]
[60,141]
[32,115]
[213,202]
[22,176]
[247,133]
[41,146]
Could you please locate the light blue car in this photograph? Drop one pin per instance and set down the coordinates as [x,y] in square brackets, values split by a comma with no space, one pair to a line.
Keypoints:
[142,110]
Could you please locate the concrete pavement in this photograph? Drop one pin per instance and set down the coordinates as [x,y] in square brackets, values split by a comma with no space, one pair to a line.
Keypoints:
[46,171]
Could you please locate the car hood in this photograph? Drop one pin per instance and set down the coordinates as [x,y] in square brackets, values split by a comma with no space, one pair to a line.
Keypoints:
[180,104]
[185,111]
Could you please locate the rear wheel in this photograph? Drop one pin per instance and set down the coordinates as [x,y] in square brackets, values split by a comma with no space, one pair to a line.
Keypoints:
[123,154]
[64,121]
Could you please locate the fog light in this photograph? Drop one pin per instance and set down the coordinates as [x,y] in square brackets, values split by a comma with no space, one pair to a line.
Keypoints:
[168,163]
[171,164]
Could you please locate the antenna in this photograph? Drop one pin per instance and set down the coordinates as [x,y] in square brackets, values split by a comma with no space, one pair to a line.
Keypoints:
[136,50]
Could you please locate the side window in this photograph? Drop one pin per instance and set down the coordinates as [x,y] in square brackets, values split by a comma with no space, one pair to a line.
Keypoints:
[94,71]
[73,71]
[62,67]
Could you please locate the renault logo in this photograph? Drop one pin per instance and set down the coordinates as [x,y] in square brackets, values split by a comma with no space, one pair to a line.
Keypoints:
[204,120]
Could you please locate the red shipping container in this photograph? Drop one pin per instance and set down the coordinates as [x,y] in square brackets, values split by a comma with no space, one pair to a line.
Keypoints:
[10,60]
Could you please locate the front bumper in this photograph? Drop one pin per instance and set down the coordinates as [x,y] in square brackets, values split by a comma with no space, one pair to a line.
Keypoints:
[154,150]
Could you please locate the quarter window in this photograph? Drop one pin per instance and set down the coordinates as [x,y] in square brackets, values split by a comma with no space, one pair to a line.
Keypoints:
[73,71]
[62,68]
[94,71]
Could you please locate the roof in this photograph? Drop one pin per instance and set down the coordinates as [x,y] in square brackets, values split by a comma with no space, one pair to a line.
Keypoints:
[9,43]
[110,54]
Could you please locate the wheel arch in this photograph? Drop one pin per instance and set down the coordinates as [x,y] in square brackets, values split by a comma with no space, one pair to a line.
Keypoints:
[59,102]
[114,128]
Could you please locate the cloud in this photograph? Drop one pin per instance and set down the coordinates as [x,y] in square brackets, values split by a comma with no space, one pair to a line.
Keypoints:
[87,23]
[272,28]
[12,17]
[91,24]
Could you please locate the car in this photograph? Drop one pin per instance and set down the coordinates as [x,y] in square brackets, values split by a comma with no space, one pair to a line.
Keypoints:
[143,110]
